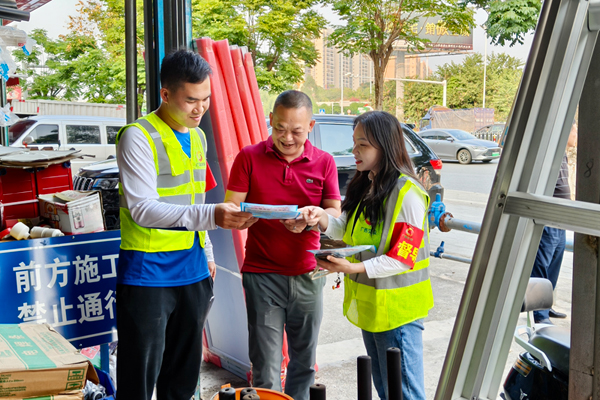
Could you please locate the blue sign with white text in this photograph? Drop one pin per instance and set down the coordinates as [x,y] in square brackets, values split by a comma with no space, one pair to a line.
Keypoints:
[68,282]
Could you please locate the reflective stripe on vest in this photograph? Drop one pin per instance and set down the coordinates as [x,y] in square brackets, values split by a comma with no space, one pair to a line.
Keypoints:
[172,175]
[382,304]
[181,180]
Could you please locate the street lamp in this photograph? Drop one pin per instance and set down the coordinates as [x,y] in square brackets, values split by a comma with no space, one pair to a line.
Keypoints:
[484,69]
[443,83]
[342,92]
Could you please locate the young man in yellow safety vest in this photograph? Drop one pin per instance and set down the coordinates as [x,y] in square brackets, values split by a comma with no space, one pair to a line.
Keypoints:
[166,268]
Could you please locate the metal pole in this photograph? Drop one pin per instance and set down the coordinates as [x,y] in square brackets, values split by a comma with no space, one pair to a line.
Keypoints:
[462,225]
[131,61]
[484,69]
[188,24]
[445,92]
[170,27]
[416,80]
[371,77]
[450,257]
[342,83]
[181,25]
[152,92]
[363,378]
[3,131]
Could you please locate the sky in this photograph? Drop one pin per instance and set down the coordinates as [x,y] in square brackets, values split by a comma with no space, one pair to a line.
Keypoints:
[53,17]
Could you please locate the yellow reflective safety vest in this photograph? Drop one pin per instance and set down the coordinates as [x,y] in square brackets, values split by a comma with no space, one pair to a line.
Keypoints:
[180,180]
[383,304]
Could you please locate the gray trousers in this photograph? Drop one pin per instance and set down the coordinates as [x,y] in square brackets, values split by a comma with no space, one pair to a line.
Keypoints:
[272,302]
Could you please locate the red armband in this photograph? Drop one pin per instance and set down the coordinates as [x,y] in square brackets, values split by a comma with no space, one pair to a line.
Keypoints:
[211,182]
[405,243]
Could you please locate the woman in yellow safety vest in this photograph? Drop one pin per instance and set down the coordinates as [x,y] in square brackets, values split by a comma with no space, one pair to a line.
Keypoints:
[387,293]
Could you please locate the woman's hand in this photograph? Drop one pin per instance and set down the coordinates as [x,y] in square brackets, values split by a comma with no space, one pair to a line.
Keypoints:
[312,214]
[335,264]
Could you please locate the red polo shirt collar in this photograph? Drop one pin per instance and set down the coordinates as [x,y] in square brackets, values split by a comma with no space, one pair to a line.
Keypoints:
[307,153]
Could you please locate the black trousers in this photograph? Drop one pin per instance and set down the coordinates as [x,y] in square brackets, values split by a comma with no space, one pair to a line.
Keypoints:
[160,339]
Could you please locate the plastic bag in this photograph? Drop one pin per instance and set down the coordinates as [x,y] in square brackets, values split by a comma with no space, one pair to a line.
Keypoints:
[7,117]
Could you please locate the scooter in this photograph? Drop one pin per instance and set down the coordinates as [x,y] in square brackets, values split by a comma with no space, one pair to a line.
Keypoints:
[542,372]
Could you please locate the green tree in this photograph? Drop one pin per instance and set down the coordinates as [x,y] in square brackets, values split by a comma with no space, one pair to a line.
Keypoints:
[465,86]
[418,97]
[509,20]
[104,21]
[278,33]
[373,27]
[464,82]
[70,69]
[389,97]
[89,62]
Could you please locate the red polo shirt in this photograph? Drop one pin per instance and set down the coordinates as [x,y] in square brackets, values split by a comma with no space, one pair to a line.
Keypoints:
[269,179]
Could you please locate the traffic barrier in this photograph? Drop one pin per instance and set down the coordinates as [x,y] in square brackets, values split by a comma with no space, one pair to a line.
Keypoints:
[245,95]
[223,53]
[260,112]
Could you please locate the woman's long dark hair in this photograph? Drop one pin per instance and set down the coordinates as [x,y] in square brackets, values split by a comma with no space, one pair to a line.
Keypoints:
[384,132]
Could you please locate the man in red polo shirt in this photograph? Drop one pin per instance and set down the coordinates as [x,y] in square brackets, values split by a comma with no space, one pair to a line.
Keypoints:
[285,169]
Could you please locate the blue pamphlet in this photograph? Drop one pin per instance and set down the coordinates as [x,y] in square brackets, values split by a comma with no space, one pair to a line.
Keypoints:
[266,211]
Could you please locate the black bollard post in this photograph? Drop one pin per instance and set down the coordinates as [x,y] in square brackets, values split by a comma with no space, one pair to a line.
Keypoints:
[317,392]
[394,374]
[227,393]
[363,377]
[246,391]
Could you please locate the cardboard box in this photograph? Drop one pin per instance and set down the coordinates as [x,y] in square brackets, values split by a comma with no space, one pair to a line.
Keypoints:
[36,361]
[73,212]
[74,395]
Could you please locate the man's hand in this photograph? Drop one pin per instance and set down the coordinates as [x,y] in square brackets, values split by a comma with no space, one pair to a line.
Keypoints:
[335,264]
[229,216]
[294,225]
[212,268]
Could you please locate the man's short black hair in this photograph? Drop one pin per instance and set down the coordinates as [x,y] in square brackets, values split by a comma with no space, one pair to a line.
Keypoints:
[293,99]
[183,66]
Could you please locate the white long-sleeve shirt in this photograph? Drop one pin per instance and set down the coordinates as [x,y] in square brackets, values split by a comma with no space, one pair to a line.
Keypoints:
[138,174]
[412,212]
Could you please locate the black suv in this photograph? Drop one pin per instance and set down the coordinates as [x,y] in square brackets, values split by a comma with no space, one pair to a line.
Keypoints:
[332,133]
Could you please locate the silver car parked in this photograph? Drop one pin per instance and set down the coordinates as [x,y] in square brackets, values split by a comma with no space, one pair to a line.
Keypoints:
[455,144]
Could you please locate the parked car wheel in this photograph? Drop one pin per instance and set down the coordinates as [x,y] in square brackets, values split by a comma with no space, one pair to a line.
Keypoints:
[464,156]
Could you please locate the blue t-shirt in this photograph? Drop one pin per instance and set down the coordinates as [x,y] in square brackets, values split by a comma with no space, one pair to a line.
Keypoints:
[167,268]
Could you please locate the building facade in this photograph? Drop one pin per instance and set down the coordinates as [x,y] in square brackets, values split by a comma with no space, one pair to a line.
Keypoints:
[333,67]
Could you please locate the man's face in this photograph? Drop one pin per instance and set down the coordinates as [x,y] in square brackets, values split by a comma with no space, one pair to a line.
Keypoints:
[188,102]
[290,130]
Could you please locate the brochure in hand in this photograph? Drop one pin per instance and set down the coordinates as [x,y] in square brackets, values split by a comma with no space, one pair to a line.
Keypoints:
[339,253]
[266,211]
